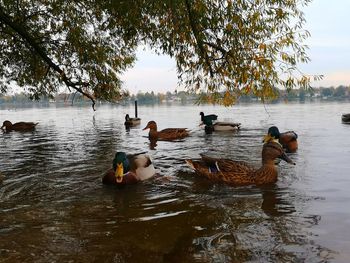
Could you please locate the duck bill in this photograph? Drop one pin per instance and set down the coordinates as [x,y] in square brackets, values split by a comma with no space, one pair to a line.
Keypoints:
[2,127]
[119,173]
[145,128]
[285,157]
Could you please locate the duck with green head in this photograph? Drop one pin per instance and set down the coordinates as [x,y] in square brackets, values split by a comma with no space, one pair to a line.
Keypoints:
[288,139]
[208,119]
[212,125]
[129,169]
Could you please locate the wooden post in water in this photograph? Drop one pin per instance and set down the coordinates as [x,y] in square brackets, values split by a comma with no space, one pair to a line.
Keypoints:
[135,108]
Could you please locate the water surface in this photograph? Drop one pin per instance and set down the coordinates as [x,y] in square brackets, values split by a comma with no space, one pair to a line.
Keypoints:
[53,207]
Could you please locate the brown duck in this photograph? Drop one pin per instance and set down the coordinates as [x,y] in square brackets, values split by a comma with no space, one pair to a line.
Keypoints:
[240,173]
[18,126]
[166,134]
[287,139]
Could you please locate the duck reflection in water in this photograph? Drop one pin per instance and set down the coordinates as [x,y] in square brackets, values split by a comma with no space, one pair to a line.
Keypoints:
[274,201]
[152,144]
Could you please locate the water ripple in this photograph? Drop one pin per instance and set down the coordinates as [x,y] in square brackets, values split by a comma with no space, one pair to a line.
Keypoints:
[55,209]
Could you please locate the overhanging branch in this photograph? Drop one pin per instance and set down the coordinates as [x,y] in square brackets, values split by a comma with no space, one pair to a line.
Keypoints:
[30,41]
[199,42]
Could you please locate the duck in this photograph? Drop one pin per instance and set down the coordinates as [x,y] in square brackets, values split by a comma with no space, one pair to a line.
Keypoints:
[131,121]
[288,139]
[238,173]
[208,119]
[18,126]
[222,126]
[210,125]
[168,134]
[129,169]
[345,118]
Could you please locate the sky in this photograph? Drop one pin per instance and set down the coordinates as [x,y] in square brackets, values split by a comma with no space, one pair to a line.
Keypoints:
[329,51]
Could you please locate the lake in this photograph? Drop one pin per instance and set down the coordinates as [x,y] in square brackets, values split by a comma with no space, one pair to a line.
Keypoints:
[54,208]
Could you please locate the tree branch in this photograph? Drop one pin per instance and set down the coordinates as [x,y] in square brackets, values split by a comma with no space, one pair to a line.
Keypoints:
[29,40]
[196,36]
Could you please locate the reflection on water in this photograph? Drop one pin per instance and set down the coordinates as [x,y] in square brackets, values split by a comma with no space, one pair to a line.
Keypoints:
[55,209]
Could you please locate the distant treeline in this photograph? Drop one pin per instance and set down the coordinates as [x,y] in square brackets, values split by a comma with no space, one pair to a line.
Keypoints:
[322,93]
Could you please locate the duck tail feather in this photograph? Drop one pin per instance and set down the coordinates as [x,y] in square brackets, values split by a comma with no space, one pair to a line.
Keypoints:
[190,163]
[296,135]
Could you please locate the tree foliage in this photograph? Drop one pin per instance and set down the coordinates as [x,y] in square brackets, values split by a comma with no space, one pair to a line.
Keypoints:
[224,47]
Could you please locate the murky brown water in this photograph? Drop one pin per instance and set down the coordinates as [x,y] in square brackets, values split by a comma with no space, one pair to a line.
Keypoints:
[53,207]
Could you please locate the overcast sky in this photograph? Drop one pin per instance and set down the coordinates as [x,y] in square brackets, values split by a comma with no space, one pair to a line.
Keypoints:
[327,21]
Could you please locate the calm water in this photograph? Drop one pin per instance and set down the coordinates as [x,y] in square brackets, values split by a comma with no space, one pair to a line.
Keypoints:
[53,207]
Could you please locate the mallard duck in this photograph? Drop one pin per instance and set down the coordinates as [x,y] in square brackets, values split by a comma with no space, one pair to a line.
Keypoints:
[345,118]
[240,173]
[208,119]
[222,126]
[210,125]
[166,134]
[287,139]
[129,169]
[18,126]
[131,121]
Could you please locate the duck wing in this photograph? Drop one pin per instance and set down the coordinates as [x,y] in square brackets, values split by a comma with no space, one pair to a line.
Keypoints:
[141,165]
[223,170]
[232,124]
[24,125]
[227,165]
[172,133]
[171,130]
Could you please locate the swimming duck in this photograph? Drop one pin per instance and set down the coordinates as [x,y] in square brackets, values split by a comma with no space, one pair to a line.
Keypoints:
[208,119]
[18,126]
[211,126]
[129,169]
[240,173]
[166,134]
[222,126]
[287,139]
[131,121]
[345,118]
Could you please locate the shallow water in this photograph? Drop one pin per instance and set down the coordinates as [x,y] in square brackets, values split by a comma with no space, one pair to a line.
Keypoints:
[53,207]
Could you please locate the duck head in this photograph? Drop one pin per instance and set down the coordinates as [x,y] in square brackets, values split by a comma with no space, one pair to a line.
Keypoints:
[271,151]
[152,125]
[127,117]
[120,166]
[6,125]
[273,134]
[202,115]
